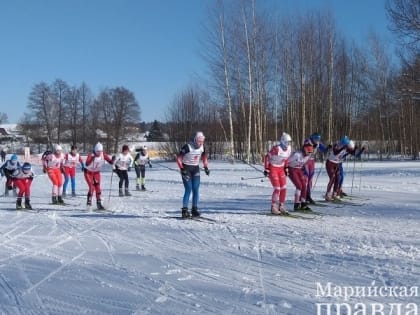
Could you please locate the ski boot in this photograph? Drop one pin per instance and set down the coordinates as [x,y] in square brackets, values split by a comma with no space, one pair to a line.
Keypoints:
[60,200]
[195,212]
[28,204]
[275,209]
[18,203]
[143,188]
[89,200]
[73,194]
[309,199]
[64,194]
[283,210]
[296,206]
[121,192]
[137,187]
[99,205]
[54,200]
[185,213]
[127,192]
[328,197]
[304,207]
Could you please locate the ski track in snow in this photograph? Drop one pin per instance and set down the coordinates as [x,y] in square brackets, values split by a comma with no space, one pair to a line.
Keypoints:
[141,260]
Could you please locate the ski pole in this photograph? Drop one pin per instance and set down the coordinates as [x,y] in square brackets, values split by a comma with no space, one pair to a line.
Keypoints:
[248,178]
[167,167]
[352,179]
[250,165]
[316,179]
[110,187]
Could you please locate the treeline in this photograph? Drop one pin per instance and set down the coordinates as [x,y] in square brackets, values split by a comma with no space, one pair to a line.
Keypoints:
[268,73]
[297,74]
[60,113]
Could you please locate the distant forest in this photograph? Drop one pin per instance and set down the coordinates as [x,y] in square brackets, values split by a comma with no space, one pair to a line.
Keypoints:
[268,74]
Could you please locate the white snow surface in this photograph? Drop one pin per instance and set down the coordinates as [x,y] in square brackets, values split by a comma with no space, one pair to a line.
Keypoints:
[141,259]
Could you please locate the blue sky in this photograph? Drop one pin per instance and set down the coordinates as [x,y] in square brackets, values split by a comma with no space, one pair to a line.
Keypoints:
[149,47]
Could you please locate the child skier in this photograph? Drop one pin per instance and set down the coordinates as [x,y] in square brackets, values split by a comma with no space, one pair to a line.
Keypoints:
[188,160]
[71,159]
[275,164]
[22,178]
[123,161]
[297,162]
[52,163]
[94,163]
[7,169]
[140,161]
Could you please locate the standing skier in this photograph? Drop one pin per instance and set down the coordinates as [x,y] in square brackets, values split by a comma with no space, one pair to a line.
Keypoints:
[275,164]
[123,161]
[52,163]
[188,161]
[140,161]
[22,178]
[7,169]
[315,138]
[71,159]
[94,163]
[297,162]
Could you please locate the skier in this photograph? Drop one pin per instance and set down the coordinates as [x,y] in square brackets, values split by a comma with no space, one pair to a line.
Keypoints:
[297,163]
[356,154]
[140,161]
[340,150]
[93,165]
[121,165]
[275,165]
[188,160]
[315,138]
[8,167]
[71,159]
[22,178]
[52,163]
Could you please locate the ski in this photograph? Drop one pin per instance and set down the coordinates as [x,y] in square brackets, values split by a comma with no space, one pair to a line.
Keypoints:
[200,219]
[289,216]
[309,212]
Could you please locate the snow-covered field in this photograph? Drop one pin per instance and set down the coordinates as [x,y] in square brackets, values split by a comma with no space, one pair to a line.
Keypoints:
[141,260]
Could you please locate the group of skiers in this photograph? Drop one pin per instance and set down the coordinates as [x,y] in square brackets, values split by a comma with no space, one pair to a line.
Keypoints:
[280,162]
[299,166]
[57,165]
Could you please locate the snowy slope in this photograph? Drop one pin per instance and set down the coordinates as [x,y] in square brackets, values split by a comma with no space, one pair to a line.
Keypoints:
[141,260]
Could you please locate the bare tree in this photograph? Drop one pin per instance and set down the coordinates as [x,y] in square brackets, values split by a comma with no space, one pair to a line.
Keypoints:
[118,110]
[405,21]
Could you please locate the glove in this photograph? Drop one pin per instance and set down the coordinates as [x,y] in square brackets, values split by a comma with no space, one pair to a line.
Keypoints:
[44,169]
[184,172]
[266,172]
[207,171]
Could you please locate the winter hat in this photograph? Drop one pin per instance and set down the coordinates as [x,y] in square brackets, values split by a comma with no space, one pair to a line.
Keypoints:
[125,148]
[315,137]
[344,141]
[58,147]
[199,136]
[285,140]
[98,147]
[26,167]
